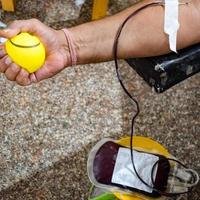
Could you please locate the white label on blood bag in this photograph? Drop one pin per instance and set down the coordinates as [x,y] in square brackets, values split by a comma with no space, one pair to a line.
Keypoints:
[124,173]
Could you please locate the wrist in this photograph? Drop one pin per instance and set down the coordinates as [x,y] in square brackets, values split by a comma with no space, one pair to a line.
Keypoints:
[63,47]
[79,43]
[85,44]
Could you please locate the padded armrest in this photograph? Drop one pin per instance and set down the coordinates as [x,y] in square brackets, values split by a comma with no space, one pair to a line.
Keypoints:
[163,72]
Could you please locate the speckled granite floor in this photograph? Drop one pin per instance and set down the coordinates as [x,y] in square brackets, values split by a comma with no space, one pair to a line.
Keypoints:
[47,130]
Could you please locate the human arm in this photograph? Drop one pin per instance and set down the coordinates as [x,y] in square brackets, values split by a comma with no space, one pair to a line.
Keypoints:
[143,36]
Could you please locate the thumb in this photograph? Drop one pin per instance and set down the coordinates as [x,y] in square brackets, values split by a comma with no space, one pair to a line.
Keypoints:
[9,33]
[18,26]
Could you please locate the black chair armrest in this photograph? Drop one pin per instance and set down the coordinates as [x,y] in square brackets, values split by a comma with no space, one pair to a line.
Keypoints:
[163,72]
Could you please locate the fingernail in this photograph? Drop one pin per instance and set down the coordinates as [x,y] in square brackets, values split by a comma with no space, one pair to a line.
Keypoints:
[33,78]
[8,61]
[2,53]
[6,30]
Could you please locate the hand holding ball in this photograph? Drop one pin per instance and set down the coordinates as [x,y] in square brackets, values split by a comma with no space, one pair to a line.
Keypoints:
[27,51]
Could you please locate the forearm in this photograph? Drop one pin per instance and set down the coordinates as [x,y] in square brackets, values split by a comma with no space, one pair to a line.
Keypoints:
[142,36]
[94,40]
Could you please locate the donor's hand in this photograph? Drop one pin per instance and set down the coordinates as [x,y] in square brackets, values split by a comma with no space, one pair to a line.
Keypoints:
[57,55]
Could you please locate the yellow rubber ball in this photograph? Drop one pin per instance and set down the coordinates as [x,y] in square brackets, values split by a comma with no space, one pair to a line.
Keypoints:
[27,51]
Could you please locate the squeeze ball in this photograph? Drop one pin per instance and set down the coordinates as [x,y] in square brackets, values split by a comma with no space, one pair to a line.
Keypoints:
[27,51]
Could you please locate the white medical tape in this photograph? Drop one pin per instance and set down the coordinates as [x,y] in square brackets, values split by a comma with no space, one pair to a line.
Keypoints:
[171,24]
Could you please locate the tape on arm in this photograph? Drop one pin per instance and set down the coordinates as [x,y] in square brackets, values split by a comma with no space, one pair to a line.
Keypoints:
[171,24]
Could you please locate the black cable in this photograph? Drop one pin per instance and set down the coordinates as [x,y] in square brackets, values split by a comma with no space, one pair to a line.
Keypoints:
[115,54]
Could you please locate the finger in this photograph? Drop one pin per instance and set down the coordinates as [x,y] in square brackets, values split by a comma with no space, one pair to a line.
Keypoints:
[18,26]
[44,72]
[33,78]
[9,33]
[48,69]
[23,78]
[12,72]
[2,53]
[1,45]
[4,63]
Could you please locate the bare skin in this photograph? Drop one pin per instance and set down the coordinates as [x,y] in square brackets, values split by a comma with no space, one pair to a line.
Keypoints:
[142,36]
